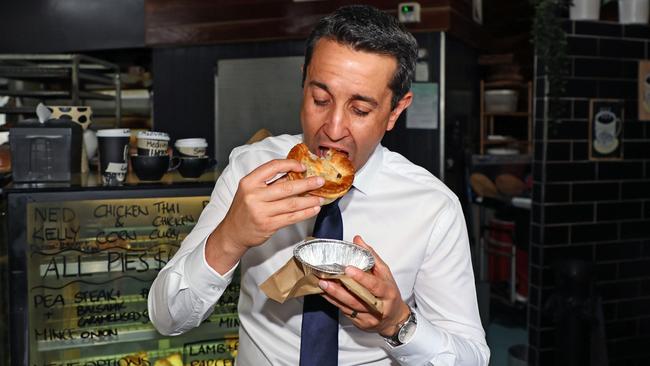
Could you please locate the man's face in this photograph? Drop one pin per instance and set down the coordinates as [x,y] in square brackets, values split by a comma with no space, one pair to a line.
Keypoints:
[346,100]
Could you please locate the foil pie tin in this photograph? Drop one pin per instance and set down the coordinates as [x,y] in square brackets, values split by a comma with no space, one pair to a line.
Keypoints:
[327,257]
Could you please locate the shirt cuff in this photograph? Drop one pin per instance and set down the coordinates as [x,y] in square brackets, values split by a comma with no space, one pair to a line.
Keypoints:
[202,279]
[426,347]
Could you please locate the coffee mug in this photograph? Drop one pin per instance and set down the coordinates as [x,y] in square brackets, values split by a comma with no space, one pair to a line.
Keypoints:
[194,166]
[151,143]
[153,167]
[608,127]
[195,147]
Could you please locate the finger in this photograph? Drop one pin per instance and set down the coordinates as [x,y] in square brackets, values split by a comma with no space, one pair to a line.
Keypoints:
[373,281]
[370,281]
[292,204]
[279,221]
[278,177]
[379,263]
[348,311]
[342,296]
[282,178]
[344,308]
[291,188]
[358,240]
[270,169]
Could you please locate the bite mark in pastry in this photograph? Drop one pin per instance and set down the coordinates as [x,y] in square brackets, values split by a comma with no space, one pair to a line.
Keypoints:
[334,166]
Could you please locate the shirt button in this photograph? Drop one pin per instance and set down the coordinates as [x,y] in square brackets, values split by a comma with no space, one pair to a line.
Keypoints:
[403,359]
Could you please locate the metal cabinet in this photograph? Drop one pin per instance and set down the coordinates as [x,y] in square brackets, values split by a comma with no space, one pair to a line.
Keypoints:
[67,78]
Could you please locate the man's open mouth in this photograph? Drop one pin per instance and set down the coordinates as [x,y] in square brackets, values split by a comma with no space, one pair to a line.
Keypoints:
[322,151]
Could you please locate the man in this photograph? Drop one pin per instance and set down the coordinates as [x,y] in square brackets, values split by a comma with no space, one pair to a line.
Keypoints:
[358,68]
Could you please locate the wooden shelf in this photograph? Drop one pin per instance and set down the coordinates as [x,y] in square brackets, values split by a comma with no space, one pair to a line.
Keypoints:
[488,120]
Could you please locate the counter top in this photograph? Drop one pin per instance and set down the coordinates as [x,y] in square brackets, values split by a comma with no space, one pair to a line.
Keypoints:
[93,181]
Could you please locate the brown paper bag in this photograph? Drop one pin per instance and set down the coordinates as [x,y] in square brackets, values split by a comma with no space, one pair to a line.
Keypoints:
[293,281]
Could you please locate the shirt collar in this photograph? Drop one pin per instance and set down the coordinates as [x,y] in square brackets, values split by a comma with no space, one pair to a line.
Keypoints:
[364,178]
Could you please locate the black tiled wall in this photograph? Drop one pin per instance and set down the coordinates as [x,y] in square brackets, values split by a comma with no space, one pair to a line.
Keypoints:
[598,211]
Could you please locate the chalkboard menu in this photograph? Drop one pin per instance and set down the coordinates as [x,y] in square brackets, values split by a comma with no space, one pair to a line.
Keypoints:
[90,265]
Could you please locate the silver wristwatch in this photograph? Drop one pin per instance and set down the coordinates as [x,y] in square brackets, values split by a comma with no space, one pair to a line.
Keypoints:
[405,330]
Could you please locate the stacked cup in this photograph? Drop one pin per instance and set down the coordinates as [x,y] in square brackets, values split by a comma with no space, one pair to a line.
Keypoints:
[152,160]
[193,158]
[113,152]
[151,143]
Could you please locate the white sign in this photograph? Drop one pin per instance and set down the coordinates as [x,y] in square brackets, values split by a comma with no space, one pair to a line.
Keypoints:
[423,112]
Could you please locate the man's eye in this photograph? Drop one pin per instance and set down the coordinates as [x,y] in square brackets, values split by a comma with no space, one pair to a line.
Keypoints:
[321,102]
[360,112]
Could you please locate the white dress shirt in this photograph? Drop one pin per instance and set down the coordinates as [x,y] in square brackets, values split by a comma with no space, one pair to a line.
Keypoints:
[410,218]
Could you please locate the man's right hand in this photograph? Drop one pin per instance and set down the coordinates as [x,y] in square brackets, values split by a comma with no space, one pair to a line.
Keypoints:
[259,209]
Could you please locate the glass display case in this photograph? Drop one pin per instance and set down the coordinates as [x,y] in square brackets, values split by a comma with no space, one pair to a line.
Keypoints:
[81,263]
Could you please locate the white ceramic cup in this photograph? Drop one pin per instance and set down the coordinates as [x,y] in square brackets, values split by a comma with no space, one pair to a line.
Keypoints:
[195,147]
[608,127]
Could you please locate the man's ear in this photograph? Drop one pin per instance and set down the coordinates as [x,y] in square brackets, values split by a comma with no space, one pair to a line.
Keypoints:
[402,104]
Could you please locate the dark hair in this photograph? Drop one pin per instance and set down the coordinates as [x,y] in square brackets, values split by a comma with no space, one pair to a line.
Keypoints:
[366,28]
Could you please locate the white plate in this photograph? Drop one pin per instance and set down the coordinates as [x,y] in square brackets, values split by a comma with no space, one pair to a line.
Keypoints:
[497,137]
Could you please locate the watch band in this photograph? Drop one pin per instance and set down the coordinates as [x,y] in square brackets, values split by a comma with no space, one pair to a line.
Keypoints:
[394,340]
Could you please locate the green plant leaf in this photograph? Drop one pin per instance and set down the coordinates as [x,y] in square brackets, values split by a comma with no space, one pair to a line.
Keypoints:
[550,41]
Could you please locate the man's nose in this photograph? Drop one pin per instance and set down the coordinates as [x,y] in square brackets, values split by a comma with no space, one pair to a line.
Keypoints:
[336,127]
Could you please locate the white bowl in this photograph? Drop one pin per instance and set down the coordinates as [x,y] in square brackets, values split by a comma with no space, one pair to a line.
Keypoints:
[326,257]
[501,100]
[502,151]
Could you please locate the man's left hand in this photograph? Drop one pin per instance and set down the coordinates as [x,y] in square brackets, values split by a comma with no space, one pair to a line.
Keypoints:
[380,282]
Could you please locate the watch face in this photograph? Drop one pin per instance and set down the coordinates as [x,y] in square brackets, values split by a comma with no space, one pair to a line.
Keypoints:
[407,331]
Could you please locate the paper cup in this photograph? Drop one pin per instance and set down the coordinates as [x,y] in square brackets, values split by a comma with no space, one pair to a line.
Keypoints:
[151,143]
[113,154]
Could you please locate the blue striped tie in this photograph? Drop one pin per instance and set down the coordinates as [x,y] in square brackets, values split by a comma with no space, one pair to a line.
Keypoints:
[319,342]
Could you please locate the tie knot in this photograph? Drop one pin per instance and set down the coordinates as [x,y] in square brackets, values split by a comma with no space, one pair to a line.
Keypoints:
[332,205]
[329,223]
